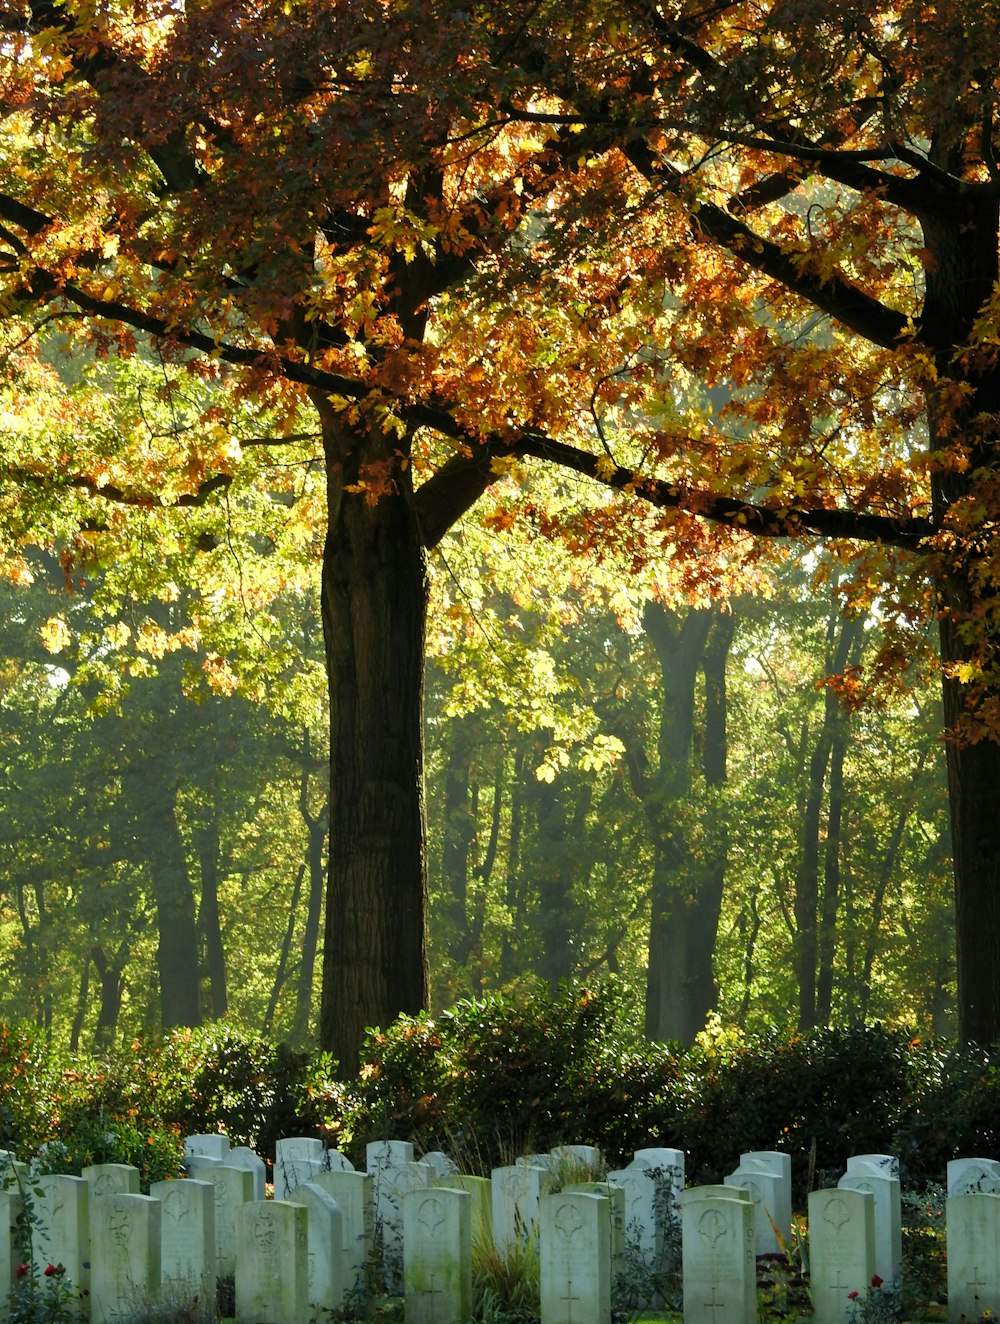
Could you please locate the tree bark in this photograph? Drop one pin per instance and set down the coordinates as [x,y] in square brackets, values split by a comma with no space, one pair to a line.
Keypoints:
[374,597]
[207,845]
[317,827]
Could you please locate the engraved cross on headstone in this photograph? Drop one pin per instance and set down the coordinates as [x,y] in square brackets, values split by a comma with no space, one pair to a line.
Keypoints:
[976,1280]
[569,1298]
[714,1305]
[433,1292]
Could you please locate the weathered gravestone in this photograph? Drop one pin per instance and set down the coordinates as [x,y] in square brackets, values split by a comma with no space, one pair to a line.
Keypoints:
[393,1174]
[11,1208]
[112,1179]
[575,1259]
[337,1162]
[973,1175]
[124,1256]
[188,1258]
[61,1232]
[587,1157]
[517,1192]
[244,1157]
[233,1188]
[440,1164]
[616,1196]
[718,1265]
[272,1263]
[213,1145]
[878,1173]
[437,1256]
[841,1251]
[767,1195]
[297,1159]
[649,1213]
[973,1232]
[353,1192]
[775,1194]
[326,1246]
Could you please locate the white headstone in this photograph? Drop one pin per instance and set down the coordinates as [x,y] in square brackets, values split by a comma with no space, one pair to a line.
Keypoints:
[719,1268]
[11,1208]
[200,1166]
[296,1161]
[380,1152]
[244,1157]
[327,1283]
[841,1251]
[776,1195]
[648,1202]
[233,1188]
[767,1195]
[440,1164]
[112,1179]
[437,1256]
[14,1175]
[968,1176]
[660,1157]
[188,1259]
[616,1196]
[353,1192]
[338,1162]
[575,1259]
[272,1263]
[973,1232]
[208,1146]
[877,1178]
[124,1256]
[586,1156]
[517,1192]
[391,1183]
[61,1233]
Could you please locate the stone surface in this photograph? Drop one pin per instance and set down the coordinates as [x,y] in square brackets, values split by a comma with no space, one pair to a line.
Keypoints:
[718,1265]
[212,1145]
[61,1233]
[354,1194]
[616,1196]
[297,1159]
[233,1188]
[437,1256]
[124,1256]
[841,1251]
[272,1263]
[440,1164]
[392,1181]
[325,1244]
[188,1259]
[776,1194]
[767,1195]
[112,1179]
[575,1259]
[973,1175]
[973,1230]
[874,1173]
[517,1192]
[587,1156]
[650,1210]
[11,1208]
[242,1156]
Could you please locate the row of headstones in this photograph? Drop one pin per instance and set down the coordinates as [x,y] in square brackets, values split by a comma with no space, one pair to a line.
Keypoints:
[198,1227]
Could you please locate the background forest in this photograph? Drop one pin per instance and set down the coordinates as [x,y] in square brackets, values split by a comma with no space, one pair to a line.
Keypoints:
[715,802]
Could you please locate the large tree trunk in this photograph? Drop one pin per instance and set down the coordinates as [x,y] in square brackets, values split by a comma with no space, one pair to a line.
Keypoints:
[374,594]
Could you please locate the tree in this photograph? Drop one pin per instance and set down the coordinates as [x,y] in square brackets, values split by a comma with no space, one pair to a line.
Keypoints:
[472,237]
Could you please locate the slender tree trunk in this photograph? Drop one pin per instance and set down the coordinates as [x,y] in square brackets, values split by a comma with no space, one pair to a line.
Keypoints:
[827,943]
[374,594]
[281,974]
[207,845]
[513,894]
[82,997]
[110,973]
[310,937]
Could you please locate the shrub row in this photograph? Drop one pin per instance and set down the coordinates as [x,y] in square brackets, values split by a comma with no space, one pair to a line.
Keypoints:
[493,1078]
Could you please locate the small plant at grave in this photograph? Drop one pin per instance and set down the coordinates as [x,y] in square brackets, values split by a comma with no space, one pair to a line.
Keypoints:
[44,1298]
[878,1304]
[924,1272]
[505,1283]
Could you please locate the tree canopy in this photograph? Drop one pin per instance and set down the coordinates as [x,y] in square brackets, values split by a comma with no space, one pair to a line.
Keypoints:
[733,262]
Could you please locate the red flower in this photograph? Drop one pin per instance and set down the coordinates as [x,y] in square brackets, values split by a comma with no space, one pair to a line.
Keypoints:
[54,1269]
[876,1280]
[852,1296]
[21,1270]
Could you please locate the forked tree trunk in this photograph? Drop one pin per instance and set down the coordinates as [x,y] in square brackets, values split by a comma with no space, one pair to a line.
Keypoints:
[374,595]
